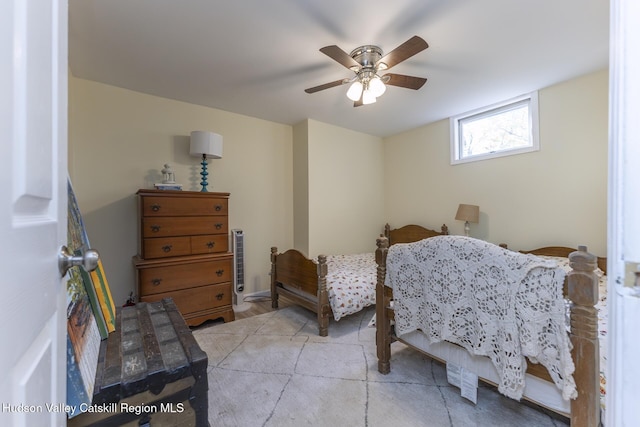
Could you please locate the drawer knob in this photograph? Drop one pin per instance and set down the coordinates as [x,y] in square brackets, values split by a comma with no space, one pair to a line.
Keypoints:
[210,245]
[155,228]
[155,207]
[219,296]
[218,226]
[220,272]
[218,208]
[167,248]
[156,282]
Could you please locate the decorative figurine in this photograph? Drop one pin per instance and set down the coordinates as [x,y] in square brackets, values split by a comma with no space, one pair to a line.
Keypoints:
[168,177]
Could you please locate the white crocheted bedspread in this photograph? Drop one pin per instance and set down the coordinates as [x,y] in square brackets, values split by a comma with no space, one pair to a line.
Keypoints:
[491,301]
[351,283]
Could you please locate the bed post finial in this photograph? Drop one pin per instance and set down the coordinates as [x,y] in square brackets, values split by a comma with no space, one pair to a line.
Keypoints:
[445,229]
[583,293]
[382,243]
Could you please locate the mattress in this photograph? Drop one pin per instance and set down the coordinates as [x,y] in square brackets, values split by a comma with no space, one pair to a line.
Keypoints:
[543,393]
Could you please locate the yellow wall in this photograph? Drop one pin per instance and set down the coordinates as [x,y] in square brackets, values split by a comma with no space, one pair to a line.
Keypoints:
[556,196]
[346,201]
[325,189]
[119,141]
[301,187]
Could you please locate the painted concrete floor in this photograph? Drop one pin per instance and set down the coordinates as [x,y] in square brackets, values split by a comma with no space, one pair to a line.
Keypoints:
[274,370]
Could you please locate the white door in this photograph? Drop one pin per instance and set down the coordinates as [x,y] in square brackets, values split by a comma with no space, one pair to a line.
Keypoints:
[33,210]
[623,376]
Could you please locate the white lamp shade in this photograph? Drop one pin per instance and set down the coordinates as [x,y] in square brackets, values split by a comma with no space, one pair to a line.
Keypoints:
[205,142]
[355,91]
[368,97]
[376,86]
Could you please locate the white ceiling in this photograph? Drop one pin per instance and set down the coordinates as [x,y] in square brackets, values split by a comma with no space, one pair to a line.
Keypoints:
[256,57]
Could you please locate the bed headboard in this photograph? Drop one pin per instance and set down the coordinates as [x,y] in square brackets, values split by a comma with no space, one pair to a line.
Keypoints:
[411,233]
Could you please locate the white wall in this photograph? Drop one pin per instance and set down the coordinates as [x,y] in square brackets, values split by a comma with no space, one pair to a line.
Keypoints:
[119,141]
[556,196]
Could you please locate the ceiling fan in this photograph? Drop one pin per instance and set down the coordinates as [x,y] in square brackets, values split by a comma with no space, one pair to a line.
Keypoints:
[366,61]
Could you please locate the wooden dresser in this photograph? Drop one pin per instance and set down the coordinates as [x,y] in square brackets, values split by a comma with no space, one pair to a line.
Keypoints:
[183,252]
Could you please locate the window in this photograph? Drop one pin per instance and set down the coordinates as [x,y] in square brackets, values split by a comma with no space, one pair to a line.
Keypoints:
[503,129]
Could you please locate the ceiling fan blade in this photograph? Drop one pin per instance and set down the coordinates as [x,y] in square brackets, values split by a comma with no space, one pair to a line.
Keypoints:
[358,103]
[409,82]
[340,56]
[326,86]
[406,50]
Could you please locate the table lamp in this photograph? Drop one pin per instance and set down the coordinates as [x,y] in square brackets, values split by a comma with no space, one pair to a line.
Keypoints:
[205,144]
[468,213]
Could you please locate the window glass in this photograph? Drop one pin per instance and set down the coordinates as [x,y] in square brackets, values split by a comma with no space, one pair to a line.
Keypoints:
[499,130]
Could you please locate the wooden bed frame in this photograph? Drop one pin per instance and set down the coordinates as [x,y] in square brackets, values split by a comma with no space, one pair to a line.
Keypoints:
[303,281]
[581,288]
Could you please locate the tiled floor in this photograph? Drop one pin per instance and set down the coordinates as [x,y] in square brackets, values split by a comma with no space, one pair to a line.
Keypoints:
[274,370]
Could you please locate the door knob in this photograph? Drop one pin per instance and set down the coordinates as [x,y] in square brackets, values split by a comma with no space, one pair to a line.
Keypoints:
[88,260]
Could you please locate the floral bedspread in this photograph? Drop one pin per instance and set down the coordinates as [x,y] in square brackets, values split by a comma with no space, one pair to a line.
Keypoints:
[351,283]
[602,333]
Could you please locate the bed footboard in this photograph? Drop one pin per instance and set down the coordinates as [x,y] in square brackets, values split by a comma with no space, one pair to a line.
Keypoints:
[302,281]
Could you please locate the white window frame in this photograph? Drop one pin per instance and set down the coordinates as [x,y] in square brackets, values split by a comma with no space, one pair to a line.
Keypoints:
[456,143]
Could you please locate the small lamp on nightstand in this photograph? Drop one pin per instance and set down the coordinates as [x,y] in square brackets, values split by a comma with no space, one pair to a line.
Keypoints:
[468,213]
[205,144]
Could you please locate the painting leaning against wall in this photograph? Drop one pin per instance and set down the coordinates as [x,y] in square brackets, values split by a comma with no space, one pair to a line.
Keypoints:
[83,333]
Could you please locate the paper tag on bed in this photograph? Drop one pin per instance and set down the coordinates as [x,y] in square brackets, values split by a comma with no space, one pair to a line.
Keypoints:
[469,389]
[465,380]
[454,375]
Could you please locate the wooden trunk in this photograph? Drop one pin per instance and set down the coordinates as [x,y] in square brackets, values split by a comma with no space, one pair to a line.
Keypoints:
[151,371]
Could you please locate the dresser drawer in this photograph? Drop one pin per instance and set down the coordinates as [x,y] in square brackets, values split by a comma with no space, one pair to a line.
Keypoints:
[184,206]
[196,299]
[159,279]
[163,247]
[180,276]
[209,244]
[184,226]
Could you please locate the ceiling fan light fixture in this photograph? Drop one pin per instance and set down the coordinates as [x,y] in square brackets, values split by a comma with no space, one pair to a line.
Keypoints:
[376,86]
[366,62]
[355,91]
[368,97]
